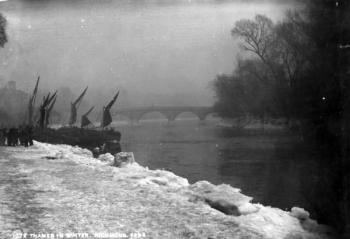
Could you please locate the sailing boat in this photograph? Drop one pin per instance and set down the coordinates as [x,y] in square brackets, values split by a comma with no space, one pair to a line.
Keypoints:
[84,137]
[74,108]
[85,120]
[45,109]
[107,117]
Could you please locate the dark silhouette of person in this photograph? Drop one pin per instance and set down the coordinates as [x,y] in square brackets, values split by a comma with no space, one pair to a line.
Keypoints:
[29,134]
[3,133]
[12,137]
[16,136]
[21,135]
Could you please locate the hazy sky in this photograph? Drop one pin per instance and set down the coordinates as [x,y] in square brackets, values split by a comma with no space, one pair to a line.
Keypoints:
[142,46]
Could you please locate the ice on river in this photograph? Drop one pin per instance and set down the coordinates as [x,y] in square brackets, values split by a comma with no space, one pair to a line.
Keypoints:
[157,202]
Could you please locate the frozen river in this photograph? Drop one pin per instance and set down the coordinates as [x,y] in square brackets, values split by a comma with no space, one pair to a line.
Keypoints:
[265,166]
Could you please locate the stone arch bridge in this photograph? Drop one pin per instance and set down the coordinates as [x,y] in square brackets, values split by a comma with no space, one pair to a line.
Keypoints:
[170,112]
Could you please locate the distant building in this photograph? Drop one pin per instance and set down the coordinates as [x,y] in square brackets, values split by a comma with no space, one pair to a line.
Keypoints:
[13,103]
[5,119]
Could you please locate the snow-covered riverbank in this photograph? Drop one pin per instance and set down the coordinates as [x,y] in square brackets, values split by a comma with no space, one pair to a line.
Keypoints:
[70,191]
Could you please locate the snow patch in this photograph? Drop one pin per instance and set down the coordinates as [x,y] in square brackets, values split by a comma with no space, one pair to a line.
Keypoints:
[221,201]
[106,158]
[163,178]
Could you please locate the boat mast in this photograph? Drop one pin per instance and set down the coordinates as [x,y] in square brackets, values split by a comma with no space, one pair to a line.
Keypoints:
[31,103]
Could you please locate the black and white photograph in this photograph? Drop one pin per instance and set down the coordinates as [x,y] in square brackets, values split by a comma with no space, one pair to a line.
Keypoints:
[175,119]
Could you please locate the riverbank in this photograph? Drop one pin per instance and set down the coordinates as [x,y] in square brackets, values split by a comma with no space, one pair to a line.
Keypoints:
[63,189]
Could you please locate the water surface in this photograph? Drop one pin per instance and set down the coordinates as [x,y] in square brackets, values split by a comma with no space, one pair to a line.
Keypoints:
[265,165]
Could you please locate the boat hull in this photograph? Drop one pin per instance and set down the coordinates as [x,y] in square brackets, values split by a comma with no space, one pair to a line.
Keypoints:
[85,138]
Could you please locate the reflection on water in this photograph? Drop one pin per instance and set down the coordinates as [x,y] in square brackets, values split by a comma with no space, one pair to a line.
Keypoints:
[265,166]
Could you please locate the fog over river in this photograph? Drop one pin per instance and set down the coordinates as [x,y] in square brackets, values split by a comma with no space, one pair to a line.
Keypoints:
[156,52]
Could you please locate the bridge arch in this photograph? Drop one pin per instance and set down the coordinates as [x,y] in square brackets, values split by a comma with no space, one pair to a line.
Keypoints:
[177,114]
[200,114]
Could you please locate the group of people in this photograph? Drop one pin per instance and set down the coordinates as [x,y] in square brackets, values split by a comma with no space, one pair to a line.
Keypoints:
[13,136]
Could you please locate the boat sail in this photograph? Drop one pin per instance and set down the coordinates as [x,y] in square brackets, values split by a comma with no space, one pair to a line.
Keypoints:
[74,108]
[44,107]
[31,103]
[49,110]
[107,117]
[84,118]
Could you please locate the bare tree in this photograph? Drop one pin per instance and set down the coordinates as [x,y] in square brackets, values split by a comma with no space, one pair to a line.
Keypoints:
[281,47]
[259,38]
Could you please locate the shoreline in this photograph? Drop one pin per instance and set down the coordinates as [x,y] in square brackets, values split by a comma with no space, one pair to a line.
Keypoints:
[183,210]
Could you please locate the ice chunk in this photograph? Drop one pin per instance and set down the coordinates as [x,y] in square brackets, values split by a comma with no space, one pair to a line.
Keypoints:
[123,158]
[308,224]
[299,213]
[81,151]
[224,198]
[106,158]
